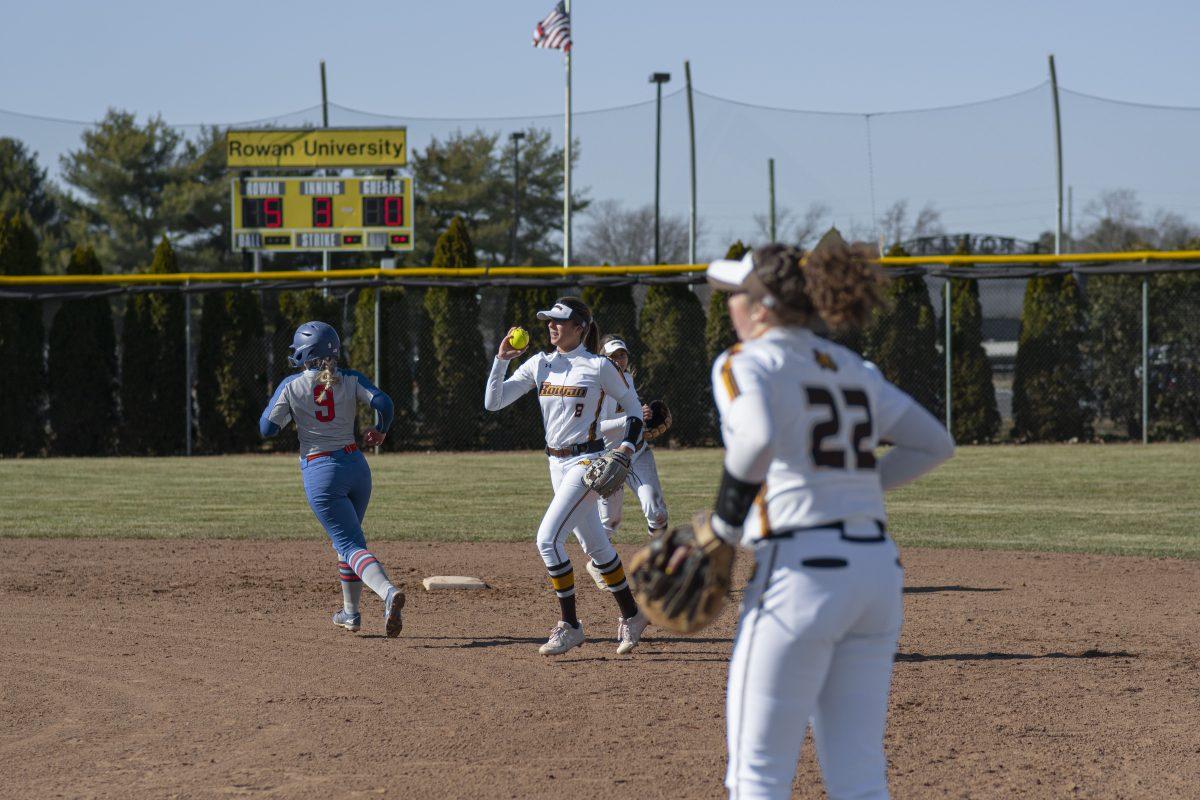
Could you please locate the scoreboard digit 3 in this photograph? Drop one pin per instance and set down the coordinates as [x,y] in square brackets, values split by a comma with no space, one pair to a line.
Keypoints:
[290,214]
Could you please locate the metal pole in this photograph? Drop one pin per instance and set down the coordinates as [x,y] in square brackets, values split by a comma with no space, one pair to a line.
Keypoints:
[949,364]
[516,137]
[567,159]
[1058,167]
[771,178]
[187,355]
[657,168]
[324,124]
[1145,360]
[687,72]
[1070,218]
[378,327]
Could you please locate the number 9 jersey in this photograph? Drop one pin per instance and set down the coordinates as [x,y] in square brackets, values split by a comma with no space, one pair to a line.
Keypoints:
[818,410]
[324,418]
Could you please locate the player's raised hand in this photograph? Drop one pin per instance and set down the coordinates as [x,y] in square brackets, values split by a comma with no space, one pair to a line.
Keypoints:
[507,352]
[373,438]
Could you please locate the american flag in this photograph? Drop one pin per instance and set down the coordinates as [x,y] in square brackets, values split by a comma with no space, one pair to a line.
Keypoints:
[554,32]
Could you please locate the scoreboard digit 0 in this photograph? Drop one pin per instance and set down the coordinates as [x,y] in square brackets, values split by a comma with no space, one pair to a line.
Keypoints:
[289,214]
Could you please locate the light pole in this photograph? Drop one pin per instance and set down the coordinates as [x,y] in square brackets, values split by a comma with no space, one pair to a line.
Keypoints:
[516,137]
[658,79]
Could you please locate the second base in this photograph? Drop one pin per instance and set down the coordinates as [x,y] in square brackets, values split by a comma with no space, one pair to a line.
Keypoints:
[452,582]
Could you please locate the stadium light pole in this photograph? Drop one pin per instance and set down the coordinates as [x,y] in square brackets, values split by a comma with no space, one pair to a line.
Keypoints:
[516,137]
[658,79]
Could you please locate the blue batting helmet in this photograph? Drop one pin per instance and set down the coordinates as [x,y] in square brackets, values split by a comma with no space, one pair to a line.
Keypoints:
[314,340]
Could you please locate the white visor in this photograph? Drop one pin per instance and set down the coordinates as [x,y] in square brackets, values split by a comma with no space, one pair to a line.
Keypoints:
[728,276]
[560,312]
[614,346]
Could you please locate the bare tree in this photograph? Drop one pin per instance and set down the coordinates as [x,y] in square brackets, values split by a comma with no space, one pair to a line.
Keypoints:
[791,227]
[615,235]
[894,226]
[1115,221]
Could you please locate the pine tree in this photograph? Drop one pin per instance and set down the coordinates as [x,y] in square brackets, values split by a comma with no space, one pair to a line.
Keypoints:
[614,309]
[1175,355]
[719,334]
[1114,349]
[903,339]
[975,416]
[83,369]
[461,367]
[1050,392]
[520,425]
[674,366]
[230,372]
[395,359]
[22,345]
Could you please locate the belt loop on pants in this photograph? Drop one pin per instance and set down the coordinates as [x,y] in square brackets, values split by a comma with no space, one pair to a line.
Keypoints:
[839,526]
[350,448]
[571,450]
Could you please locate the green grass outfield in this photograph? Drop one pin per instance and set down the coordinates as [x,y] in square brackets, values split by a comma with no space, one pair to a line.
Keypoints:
[1129,499]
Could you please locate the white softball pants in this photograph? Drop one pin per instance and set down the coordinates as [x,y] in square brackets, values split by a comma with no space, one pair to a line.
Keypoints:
[572,509]
[643,480]
[815,641]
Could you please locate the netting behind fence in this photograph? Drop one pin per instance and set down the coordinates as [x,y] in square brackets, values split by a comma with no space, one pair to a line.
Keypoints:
[1054,357]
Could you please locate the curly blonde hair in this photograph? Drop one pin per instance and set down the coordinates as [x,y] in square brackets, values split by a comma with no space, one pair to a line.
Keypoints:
[837,282]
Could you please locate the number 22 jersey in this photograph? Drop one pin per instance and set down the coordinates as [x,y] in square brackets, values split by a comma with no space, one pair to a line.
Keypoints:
[824,410]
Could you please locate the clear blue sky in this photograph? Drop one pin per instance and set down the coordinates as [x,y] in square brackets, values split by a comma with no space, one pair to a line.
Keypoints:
[223,61]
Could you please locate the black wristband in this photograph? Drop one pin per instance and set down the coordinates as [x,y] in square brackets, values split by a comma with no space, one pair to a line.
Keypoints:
[633,430]
[734,498]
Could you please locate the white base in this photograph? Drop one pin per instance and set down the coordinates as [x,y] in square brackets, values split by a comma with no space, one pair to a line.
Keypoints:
[452,582]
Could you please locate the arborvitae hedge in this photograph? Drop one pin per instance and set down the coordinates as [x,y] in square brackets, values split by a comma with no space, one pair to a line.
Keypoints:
[674,365]
[395,360]
[83,369]
[520,425]
[975,417]
[22,343]
[613,307]
[719,334]
[1114,348]
[153,372]
[1175,355]
[461,367]
[903,340]
[231,379]
[1050,392]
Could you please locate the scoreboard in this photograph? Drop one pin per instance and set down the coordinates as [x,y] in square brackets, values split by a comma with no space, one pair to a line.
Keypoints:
[289,214]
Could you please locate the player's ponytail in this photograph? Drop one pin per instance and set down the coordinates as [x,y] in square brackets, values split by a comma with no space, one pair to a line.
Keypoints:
[591,338]
[328,375]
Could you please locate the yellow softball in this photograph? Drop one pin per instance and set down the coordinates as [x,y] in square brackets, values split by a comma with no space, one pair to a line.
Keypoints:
[519,339]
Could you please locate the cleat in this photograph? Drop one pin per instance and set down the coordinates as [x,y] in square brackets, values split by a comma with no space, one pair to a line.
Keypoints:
[392,623]
[629,632]
[350,622]
[562,639]
[596,574]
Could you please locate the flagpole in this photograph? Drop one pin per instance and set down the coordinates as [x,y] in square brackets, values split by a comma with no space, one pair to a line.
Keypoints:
[567,156]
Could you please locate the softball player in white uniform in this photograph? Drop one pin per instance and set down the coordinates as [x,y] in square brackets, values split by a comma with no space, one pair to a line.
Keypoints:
[572,382]
[801,418]
[643,473]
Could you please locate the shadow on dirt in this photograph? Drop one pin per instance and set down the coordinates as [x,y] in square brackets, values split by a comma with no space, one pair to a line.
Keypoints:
[1011,656]
[931,589]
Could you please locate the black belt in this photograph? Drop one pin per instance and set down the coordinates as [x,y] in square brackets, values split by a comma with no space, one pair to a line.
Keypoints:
[838,526]
[571,450]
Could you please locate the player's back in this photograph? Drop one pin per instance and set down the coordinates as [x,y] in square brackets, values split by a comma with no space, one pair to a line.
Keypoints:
[324,417]
[824,403]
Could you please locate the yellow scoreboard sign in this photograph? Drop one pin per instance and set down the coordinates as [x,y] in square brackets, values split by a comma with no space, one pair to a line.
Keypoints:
[286,214]
[316,148]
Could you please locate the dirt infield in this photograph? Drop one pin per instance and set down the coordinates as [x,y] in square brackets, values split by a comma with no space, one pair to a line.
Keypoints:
[210,669]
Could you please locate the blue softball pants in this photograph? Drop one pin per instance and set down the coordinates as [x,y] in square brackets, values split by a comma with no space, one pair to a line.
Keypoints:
[338,487]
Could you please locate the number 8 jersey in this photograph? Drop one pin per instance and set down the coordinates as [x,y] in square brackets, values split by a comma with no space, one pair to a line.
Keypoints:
[823,410]
[324,419]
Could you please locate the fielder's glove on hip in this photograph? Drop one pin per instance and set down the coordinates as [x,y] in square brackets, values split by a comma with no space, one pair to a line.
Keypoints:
[660,420]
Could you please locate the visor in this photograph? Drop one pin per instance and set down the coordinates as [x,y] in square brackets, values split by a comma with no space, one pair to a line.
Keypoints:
[614,346]
[730,276]
[560,312]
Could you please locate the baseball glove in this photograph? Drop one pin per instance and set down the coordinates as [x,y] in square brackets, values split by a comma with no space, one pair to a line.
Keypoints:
[682,578]
[660,420]
[606,475]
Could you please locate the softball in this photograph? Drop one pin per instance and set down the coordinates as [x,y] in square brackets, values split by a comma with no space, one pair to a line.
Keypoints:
[519,339]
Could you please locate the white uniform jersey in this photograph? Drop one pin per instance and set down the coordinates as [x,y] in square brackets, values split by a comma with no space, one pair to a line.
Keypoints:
[826,410]
[324,419]
[572,389]
[613,416]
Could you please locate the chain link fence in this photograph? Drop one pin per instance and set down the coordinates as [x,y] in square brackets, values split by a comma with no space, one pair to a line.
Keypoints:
[1024,354]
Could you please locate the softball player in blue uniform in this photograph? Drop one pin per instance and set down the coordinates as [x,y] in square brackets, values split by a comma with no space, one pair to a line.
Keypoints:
[321,399]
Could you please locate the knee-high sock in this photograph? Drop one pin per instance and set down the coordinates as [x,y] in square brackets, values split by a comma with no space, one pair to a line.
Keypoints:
[562,578]
[614,579]
[368,568]
[351,588]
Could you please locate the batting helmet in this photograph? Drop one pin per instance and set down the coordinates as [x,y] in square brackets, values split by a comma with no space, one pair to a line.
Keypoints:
[314,340]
